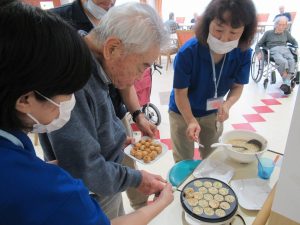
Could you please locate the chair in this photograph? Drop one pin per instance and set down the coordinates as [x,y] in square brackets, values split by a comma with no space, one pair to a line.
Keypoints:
[183,36]
[262,17]
[168,51]
[180,19]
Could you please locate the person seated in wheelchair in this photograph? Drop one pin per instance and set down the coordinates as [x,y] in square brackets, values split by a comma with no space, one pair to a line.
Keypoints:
[276,41]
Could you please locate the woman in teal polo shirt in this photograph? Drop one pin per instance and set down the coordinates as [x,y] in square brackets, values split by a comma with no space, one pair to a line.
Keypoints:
[209,73]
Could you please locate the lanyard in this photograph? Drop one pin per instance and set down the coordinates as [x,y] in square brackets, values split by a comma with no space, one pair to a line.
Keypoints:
[214,73]
[11,138]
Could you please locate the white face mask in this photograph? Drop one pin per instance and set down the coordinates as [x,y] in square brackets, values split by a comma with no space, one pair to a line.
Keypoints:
[97,11]
[221,47]
[65,109]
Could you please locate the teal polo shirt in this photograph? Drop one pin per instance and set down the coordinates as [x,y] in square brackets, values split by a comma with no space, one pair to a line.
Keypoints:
[193,70]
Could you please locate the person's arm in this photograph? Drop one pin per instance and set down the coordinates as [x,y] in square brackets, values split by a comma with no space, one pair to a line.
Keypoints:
[261,43]
[235,92]
[233,96]
[183,104]
[145,214]
[131,101]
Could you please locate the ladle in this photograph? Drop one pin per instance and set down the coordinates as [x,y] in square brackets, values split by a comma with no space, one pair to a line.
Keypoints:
[215,145]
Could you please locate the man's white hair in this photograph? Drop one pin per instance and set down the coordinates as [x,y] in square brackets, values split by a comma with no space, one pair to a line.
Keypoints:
[279,19]
[137,25]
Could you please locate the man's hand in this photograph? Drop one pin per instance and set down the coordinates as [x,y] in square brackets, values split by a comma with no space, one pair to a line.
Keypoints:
[151,183]
[193,130]
[147,128]
[223,113]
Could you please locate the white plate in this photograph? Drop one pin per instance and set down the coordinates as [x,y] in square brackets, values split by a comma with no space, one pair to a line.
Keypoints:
[164,150]
[251,193]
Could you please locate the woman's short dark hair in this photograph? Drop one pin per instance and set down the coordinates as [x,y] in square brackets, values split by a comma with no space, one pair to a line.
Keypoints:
[242,13]
[38,51]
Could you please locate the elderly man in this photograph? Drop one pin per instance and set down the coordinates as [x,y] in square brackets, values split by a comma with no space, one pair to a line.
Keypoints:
[84,15]
[276,40]
[90,146]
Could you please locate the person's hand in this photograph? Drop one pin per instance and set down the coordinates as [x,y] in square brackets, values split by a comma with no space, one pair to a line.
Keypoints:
[193,131]
[166,195]
[151,183]
[128,141]
[223,113]
[145,126]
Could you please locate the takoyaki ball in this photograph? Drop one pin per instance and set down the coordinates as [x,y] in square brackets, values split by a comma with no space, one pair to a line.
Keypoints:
[158,149]
[144,153]
[152,147]
[133,152]
[138,145]
[147,144]
[139,154]
[153,155]
[147,159]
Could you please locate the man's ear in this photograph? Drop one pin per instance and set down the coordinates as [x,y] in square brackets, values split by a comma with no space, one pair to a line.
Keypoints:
[24,102]
[112,48]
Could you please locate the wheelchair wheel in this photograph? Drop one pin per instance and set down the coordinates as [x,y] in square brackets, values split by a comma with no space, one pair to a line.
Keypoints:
[152,113]
[257,68]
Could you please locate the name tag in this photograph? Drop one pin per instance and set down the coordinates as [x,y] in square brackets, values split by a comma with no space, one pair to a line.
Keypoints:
[214,103]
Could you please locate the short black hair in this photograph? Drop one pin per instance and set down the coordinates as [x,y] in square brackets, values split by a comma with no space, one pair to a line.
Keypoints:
[242,13]
[38,51]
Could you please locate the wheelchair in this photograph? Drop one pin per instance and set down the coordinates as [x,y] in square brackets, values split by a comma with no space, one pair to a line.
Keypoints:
[266,67]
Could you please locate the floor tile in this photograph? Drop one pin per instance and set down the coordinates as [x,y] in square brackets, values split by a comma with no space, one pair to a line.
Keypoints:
[262,109]
[243,126]
[196,154]
[252,118]
[271,102]
[167,142]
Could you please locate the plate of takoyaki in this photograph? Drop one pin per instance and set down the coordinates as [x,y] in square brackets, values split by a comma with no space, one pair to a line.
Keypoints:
[146,150]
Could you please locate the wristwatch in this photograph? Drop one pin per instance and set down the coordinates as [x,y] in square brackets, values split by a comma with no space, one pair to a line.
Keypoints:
[135,114]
